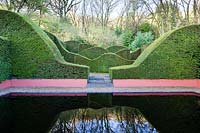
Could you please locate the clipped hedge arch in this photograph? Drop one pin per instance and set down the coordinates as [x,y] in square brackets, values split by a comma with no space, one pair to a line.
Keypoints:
[93,52]
[176,55]
[114,49]
[5,63]
[104,62]
[33,53]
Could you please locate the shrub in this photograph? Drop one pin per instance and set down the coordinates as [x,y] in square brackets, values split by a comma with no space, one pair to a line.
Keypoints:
[141,39]
[176,55]
[118,31]
[33,54]
[104,62]
[5,63]
[145,27]
[127,37]
[93,52]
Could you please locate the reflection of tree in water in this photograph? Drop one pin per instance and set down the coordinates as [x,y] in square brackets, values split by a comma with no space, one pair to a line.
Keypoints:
[105,120]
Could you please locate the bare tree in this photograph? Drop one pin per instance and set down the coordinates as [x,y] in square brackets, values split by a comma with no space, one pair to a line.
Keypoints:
[196,11]
[14,5]
[73,14]
[62,7]
[103,9]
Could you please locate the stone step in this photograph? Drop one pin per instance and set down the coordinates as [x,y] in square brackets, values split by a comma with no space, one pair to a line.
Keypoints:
[99,85]
[98,78]
[100,81]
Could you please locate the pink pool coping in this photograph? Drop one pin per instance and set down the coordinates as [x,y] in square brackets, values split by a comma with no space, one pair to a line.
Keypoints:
[130,83]
[47,83]
[82,83]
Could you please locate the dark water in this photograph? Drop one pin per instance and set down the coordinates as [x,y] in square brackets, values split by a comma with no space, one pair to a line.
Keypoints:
[167,114]
[105,120]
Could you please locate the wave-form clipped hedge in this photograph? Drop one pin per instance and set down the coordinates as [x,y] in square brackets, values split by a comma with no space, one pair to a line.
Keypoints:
[75,46]
[68,56]
[93,52]
[127,54]
[5,63]
[104,62]
[33,53]
[114,49]
[176,55]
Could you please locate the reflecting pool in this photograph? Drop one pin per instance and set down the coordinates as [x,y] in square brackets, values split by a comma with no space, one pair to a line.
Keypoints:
[100,113]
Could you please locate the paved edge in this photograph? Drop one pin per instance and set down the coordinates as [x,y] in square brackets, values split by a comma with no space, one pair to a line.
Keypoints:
[148,91]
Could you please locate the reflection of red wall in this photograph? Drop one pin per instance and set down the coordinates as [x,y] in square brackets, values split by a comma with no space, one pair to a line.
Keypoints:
[129,83]
[17,83]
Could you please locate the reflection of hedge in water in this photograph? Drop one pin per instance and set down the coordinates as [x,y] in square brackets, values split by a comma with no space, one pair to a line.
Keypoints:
[32,52]
[93,52]
[104,62]
[5,64]
[114,49]
[176,55]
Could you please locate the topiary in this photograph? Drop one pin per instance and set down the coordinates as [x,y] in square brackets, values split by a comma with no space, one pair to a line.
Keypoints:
[33,53]
[93,52]
[175,55]
[115,48]
[5,63]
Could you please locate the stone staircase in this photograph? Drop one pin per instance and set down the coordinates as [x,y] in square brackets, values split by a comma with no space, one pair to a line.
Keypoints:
[99,80]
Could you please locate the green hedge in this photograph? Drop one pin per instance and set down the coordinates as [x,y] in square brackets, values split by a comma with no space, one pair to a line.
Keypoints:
[93,52]
[114,49]
[176,55]
[135,54]
[127,54]
[104,62]
[33,53]
[5,63]
[68,56]
[75,46]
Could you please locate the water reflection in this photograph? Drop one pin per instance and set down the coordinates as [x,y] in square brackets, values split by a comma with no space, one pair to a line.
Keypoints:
[105,120]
